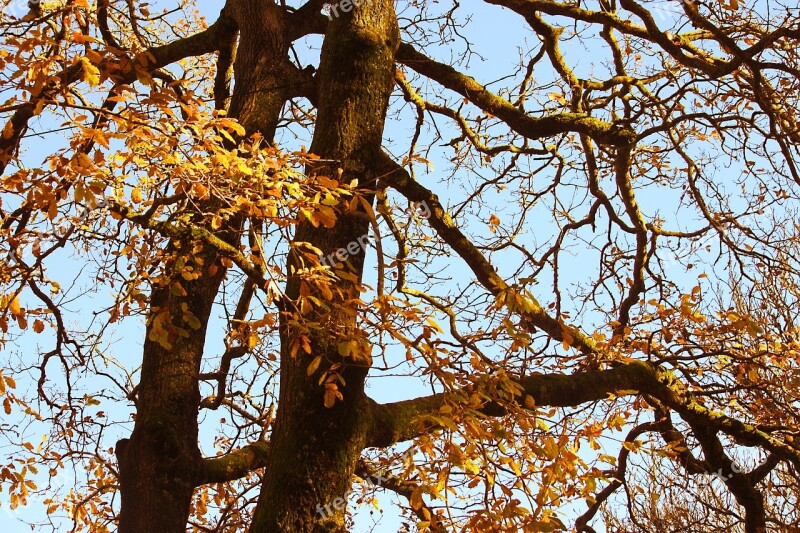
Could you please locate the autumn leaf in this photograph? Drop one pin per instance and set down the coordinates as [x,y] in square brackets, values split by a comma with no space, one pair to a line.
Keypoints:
[14,306]
[434,324]
[494,222]
[344,348]
[136,195]
[331,395]
[314,365]
[8,130]
[90,73]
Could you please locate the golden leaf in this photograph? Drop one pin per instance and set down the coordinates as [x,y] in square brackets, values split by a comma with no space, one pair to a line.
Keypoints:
[90,73]
[314,365]
[14,307]
[136,195]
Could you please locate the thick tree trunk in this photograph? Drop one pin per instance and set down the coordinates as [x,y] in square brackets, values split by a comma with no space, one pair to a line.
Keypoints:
[161,461]
[314,448]
[160,465]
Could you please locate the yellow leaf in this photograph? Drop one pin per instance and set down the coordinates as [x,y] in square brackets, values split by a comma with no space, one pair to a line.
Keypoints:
[39,107]
[631,446]
[529,402]
[93,56]
[252,341]
[143,76]
[344,348]
[433,323]
[14,307]
[330,200]
[327,294]
[416,499]
[84,161]
[91,74]
[200,190]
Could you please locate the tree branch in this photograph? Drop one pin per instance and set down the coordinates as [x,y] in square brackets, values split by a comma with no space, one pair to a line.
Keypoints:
[674,46]
[235,464]
[530,127]
[224,77]
[739,484]
[530,309]
[405,420]
[401,421]
[582,523]
[232,351]
[308,19]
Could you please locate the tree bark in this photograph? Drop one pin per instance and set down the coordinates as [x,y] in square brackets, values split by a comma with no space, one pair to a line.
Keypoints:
[314,449]
[161,464]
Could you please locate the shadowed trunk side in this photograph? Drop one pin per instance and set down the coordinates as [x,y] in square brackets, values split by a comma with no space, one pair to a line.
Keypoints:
[314,449]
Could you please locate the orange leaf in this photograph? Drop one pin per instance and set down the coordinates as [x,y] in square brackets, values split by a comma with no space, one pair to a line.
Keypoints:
[136,195]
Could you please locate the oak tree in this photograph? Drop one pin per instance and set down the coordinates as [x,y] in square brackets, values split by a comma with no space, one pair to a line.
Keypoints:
[575,263]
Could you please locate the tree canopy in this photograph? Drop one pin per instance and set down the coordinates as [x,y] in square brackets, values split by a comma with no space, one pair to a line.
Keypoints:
[500,265]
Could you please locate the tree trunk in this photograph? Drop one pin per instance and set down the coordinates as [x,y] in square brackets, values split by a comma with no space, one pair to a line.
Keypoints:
[314,448]
[161,463]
